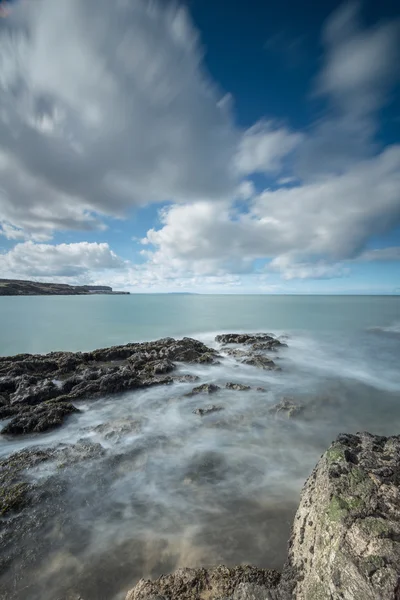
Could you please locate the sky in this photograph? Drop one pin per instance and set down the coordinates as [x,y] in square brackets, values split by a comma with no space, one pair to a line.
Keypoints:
[203,146]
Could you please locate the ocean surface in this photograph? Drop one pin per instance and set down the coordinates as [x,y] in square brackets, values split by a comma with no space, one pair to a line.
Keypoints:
[171,489]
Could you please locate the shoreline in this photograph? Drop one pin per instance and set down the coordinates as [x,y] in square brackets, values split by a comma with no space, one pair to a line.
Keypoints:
[40,393]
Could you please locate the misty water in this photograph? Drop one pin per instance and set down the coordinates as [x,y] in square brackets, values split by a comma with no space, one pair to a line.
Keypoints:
[164,487]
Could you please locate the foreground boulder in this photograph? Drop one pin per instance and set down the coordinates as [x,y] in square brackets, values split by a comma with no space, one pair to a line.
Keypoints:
[345,542]
[202,584]
[346,534]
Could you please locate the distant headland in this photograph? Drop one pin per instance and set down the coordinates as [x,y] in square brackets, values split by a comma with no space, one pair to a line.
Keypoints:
[19,287]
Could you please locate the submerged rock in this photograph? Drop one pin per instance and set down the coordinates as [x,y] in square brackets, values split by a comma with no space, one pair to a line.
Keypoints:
[207,410]
[237,386]
[205,388]
[287,407]
[261,362]
[201,584]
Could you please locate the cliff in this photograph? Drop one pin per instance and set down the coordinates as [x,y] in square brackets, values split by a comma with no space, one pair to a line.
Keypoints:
[19,287]
[345,542]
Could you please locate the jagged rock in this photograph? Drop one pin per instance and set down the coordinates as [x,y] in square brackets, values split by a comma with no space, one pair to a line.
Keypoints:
[237,386]
[244,338]
[205,388]
[207,410]
[346,535]
[29,380]
[287,407]
[42,417]
[261,362]
[236,352]
[186,378]
[201,584]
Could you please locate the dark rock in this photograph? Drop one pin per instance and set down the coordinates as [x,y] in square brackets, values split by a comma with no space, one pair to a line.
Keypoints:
[244,338]
[237,386]
[287,407]
[205,388]
[186,378]
[236,352]
[43,417]
[261,362]
[201,584]
[208,410]
[261,389]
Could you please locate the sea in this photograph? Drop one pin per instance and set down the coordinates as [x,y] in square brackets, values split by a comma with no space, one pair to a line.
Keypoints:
[169,488]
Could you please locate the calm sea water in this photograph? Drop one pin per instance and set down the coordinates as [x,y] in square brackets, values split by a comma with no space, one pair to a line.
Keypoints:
[170,489]
[42,324]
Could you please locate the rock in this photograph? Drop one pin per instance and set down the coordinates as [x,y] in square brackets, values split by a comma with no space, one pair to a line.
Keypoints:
[186,378]
[244,338]
[236,352]
[201,584]
[237,386]
[346,535]
[34,380]
[287,407]
[270,345]
[207,358]
[14,490]
[261,389]
[207,410]
[205,388]
[43,417]
[262,362]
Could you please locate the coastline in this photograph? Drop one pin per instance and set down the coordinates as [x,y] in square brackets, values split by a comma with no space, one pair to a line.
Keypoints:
[44,393]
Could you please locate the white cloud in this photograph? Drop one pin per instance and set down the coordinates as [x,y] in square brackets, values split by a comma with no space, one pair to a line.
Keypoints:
[120,112]
[63,260]
[263,148]
[246,190]
[291,269]
[320,222]
[359,67]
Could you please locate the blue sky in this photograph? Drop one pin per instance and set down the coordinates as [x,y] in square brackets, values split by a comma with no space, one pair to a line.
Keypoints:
[204,146]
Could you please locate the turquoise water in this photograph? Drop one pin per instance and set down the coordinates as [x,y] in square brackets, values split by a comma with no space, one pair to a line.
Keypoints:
[42,324]
[170,489]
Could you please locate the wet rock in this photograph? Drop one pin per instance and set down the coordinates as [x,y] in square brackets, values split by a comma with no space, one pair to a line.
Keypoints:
[287,407]
[208,410]
[14,489]
[201,584]
[42,417]
[261,389]
[205,388]
[346,535]
[207,358]
[236,352]
[186,378]
[237,386]
[29,391]
[29,380]
[270,345]
[261,362]
[244,338]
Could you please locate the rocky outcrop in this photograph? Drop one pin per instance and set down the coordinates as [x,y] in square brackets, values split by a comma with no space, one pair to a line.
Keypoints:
[37,391]
[20,287]
[346,534]
[345,542]
[202,584]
